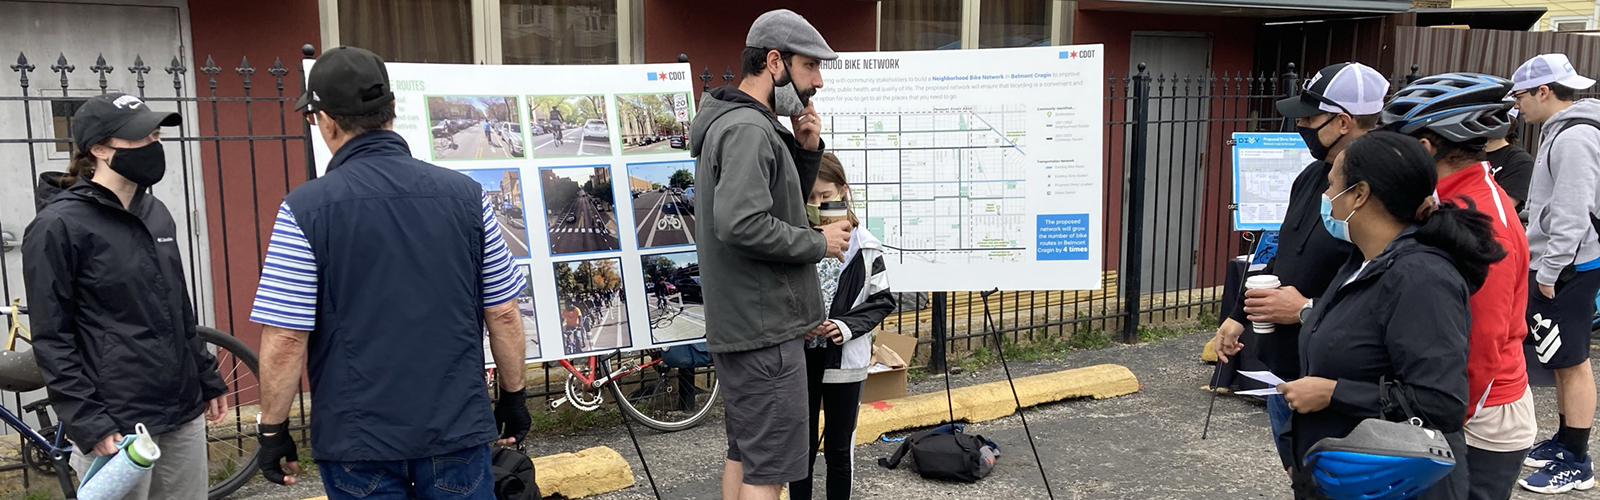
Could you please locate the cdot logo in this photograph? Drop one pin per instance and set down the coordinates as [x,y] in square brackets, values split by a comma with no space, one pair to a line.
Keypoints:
[666,75]
[1078,54]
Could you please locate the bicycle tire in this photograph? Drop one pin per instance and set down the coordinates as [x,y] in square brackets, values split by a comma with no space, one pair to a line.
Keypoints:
[248,358]
[693,419]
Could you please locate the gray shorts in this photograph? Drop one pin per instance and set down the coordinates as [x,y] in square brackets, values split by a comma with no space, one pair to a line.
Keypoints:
[764,396]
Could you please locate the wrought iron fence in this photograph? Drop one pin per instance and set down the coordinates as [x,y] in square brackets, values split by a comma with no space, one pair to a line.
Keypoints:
[1166,198]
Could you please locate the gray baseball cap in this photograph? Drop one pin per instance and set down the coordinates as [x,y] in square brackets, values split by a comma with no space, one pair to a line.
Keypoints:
[785,31]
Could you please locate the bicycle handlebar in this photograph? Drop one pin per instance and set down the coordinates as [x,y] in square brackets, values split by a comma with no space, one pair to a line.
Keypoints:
[6,310]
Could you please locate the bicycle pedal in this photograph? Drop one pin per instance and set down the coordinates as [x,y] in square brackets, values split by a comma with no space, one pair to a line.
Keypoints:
[35,406]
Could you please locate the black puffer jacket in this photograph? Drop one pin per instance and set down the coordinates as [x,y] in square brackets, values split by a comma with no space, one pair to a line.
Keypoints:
[113,328]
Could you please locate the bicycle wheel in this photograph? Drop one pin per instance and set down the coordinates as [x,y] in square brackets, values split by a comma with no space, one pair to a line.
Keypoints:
[665,399]
[231,446]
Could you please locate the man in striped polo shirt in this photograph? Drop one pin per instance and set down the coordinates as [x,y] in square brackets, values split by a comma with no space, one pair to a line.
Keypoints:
[386,271]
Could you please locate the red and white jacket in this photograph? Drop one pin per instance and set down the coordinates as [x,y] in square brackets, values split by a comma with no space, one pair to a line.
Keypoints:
[1496,371]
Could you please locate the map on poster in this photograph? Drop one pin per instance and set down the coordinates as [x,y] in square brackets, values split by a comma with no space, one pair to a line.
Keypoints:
[1264,167]
[977,168]
[588,173]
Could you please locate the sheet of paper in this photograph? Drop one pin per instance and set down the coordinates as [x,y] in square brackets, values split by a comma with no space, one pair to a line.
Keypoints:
[1264,377]
[1259,392]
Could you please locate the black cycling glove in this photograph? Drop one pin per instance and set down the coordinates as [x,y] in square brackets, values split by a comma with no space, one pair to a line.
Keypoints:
[277,446]
[511,415]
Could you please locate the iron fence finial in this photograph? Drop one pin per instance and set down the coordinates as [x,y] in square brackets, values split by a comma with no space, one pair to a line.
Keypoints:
[1413,76]
[683,58]
[101,68]
[23,68]
[727,75]
[177,71]
[63,68]
[139,69]
[277,70]
[1141,68]
[705,76]
[309,51]
[211,70]
[245,70]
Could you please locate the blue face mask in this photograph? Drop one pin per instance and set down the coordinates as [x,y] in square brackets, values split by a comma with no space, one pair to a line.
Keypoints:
[1338,228]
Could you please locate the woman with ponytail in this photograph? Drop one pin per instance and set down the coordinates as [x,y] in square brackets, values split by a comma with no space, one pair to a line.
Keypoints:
[1397,312]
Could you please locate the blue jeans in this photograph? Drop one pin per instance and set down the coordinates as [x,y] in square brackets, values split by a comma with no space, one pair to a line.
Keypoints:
[1278,415]
[461,474]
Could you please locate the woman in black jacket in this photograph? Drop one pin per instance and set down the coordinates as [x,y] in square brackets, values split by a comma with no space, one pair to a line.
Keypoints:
[113,328]
[1397,311]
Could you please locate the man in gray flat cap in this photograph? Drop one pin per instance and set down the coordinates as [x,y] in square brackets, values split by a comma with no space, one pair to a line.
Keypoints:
[758,250]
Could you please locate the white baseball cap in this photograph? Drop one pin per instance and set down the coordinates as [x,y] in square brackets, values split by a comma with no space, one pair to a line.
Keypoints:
[1351,87]
[1546,69]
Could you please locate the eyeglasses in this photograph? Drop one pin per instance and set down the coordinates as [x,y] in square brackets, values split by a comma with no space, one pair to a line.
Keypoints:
[1518,95]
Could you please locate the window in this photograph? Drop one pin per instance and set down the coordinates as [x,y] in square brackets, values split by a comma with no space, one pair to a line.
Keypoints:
[919,25]
[61,111]
[1571,23]
[558,31]
[425,31]
[1014,23]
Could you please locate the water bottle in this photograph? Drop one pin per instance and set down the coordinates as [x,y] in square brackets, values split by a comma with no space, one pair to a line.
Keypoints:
[112,477]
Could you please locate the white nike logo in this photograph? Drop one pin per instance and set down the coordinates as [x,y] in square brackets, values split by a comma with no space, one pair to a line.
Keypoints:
[164,240]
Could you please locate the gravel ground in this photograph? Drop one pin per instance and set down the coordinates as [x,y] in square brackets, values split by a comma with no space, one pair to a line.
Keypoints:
[1141,446]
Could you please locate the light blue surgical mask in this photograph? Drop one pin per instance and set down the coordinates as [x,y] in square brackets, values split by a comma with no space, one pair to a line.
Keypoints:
[1338,228]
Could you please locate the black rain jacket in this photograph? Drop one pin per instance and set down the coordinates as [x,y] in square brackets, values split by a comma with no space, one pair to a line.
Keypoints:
[1404,319]
[113,327]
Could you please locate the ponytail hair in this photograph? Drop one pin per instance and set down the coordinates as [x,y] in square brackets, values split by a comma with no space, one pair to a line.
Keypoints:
[1467,235]
[1402,177]
[82,167]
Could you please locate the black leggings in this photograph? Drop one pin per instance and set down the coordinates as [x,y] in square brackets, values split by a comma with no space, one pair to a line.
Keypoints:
[1493,474]
[841,401]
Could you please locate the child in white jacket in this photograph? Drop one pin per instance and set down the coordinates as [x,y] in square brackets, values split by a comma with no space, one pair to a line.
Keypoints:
[855,291]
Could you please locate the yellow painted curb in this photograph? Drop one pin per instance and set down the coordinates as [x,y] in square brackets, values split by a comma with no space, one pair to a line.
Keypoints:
[992,400]
[576,475]
[1208,353]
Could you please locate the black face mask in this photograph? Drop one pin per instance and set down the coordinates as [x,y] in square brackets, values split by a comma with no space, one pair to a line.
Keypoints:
[1314,141]
[144,165]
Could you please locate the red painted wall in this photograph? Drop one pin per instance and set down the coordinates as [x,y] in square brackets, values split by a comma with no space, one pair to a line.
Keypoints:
[1232,52]
[245,180]
[712,32]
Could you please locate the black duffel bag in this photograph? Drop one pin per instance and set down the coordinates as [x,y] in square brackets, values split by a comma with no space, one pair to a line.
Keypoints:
[513,475]
[947,454]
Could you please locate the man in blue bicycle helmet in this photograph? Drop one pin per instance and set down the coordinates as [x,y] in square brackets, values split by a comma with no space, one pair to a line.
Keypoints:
[1454,115]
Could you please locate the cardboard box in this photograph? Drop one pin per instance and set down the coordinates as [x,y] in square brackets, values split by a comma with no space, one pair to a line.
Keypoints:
[889,384]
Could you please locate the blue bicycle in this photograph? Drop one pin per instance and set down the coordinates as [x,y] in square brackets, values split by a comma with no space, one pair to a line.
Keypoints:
[46,450]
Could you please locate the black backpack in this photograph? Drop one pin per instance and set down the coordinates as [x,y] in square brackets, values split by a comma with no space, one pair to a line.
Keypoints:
[513,475]
[944,453]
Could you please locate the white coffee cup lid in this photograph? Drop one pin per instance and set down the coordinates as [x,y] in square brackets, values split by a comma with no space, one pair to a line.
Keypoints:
[1262,281]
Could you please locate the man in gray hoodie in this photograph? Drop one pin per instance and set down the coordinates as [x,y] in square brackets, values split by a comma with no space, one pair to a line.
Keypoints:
[758,252]
[1565,260]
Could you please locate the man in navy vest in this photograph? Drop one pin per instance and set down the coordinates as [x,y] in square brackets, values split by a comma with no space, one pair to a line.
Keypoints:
[386,270]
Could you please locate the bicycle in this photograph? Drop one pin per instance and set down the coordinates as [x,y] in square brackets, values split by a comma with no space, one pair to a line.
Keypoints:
[231,465]
[667,399]
[555,132]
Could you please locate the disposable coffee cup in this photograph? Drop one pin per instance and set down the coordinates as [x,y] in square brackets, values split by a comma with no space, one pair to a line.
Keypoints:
[833,211]
[1262,282]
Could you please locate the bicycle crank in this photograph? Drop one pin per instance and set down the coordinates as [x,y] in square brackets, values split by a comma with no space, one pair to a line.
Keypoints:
[579,396]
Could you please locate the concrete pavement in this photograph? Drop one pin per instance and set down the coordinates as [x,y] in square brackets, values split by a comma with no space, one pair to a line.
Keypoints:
[1142,446]
[515,232]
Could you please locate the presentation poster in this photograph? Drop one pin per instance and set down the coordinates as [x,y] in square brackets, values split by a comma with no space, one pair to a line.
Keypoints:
[978,169]
[1264,167]
[588,172]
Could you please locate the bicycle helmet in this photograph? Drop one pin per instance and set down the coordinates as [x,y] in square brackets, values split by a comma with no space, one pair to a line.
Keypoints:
[1461,107]
[1380,460]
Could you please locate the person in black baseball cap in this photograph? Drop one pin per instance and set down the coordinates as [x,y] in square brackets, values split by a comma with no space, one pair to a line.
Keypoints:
[398,396]
[114,332]
[347,94]
[1335,106]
